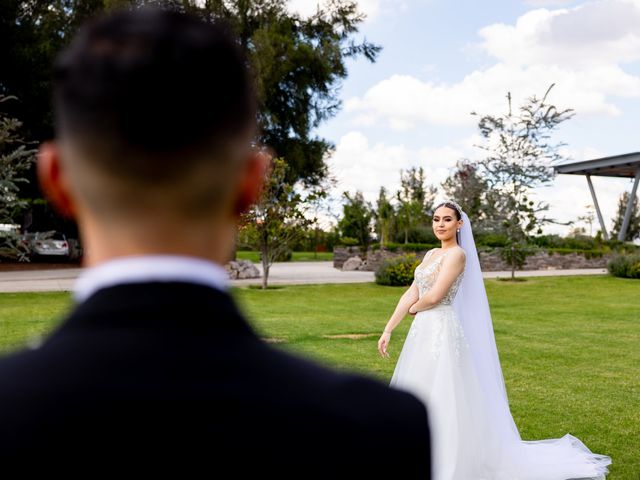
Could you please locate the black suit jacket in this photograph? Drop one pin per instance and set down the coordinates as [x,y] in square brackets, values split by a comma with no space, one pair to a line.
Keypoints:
[158,375]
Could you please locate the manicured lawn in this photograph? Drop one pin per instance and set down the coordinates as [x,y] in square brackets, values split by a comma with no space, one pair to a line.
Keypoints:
[569,346]
[295,256]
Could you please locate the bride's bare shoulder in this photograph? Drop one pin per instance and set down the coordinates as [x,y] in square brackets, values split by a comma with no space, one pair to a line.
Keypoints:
[461,253]
[457,254]
[431,250]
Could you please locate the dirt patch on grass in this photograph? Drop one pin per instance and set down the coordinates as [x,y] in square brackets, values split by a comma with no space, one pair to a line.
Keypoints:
[274,340]
[352,336]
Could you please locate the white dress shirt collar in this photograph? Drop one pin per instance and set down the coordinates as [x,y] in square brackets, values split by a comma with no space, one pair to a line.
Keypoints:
[149,268]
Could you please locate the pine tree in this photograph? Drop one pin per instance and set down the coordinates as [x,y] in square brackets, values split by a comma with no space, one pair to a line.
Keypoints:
[633,230]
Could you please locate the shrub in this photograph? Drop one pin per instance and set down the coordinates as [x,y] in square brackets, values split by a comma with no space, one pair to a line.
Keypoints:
[626,266]
[588,254]
[491,239]
[348,241]
[13,247]
[406,247]
[397,271]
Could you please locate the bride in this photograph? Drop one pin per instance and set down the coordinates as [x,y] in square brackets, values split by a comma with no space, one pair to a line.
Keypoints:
[450,361]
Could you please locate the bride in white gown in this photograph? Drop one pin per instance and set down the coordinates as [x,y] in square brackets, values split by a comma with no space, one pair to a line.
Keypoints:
[449,360]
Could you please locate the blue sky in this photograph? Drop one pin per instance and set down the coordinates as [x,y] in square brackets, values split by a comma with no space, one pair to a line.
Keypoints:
[443,59]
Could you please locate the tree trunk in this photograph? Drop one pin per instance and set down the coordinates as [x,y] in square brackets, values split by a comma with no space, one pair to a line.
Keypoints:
[513,263]
[265,270]
[234,257]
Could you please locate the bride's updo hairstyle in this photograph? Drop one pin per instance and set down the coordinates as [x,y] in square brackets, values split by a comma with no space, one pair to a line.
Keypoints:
[451,206]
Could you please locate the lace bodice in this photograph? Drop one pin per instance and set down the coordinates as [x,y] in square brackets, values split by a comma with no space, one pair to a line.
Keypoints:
[426,274]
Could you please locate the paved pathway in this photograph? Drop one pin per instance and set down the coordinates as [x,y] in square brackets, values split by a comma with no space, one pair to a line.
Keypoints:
[280,273]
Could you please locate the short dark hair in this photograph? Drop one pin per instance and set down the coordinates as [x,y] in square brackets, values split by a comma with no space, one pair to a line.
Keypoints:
[149,91]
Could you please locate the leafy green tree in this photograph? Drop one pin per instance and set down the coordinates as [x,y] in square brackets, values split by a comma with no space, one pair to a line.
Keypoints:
[15,160]
[278,219]
[519,157]
[298,64]
[384,217]
[414,201]
[356,219]
[467,187]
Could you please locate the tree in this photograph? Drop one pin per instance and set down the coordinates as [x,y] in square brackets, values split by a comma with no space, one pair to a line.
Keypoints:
[633,230]
[298,64]
[519,157]
[277,220]
[356,219]
[589,218]
[413,200]
[469,189]
[384,217]
[15,160]
[577,232]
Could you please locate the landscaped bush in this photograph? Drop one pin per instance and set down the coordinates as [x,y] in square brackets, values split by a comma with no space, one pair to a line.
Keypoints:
[397,271]
[491,239]
[556,241]
[625,265]
[587,253]
[348,241]
[406,247]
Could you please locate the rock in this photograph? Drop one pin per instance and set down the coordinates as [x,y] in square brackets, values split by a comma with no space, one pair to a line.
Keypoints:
[238,269]
[364,265]
[352,263]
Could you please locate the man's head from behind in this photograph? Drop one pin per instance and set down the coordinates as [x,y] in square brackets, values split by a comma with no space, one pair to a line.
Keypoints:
[155,113]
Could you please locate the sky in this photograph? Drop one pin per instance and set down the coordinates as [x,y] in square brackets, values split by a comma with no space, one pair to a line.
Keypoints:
[443,59]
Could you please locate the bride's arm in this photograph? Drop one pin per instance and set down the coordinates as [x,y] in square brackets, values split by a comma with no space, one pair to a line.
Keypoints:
[407,299]
[451,267]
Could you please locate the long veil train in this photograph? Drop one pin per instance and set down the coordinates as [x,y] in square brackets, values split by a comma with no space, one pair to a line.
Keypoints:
[553,459]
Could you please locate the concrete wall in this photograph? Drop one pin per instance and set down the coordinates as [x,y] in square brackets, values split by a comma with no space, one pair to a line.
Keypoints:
[490,261]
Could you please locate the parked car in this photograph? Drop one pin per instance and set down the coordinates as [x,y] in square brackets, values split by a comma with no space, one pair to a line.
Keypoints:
[48,244]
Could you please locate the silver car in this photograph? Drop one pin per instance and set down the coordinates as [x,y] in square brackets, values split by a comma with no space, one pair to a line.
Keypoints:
[49,244]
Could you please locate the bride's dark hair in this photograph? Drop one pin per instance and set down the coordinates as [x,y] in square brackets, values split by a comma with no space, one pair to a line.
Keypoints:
[451,206]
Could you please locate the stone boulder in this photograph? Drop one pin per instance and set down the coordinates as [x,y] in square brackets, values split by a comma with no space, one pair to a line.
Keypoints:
[353,263]
[238,269]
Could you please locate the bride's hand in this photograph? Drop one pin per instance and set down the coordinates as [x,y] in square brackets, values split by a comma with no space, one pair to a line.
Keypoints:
[383,343]
[412,310]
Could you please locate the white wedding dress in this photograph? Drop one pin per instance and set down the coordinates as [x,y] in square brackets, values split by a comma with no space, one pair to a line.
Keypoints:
[436,365]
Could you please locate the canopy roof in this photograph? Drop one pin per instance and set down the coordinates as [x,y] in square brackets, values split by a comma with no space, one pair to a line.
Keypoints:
[617,166]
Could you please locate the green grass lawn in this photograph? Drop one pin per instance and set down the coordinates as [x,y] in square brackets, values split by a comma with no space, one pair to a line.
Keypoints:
[295,256]
[569,346]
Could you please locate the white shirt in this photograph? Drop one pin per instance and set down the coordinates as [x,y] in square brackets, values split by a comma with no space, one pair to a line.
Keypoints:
[145,268]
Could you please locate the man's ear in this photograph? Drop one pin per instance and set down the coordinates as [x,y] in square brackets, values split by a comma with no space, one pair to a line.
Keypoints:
[53,183]
[252,181]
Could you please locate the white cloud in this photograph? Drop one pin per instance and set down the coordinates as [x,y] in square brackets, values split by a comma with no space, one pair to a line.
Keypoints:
[547,3]
[404,102]
[581,50]
[360,165]
[605,32]
[371,8]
